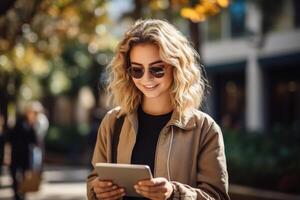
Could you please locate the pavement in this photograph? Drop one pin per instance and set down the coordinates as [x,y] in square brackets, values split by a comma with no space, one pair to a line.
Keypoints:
[58,183]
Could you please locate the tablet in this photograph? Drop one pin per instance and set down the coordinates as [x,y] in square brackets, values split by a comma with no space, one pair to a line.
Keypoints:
[124,175]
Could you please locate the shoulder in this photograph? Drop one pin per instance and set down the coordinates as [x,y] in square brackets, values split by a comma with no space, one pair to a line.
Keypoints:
[202,116]
[204,121]
[115,112]
[111,116]
[208,130]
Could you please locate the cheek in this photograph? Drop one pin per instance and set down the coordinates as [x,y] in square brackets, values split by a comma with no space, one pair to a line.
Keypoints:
[169,79]
[135,82]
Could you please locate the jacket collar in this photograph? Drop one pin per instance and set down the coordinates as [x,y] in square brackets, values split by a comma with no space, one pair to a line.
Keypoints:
[184,121]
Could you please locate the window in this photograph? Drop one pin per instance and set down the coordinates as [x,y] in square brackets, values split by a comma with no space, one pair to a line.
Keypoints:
[296,13]
[237,18]
[213,28]
[285,96]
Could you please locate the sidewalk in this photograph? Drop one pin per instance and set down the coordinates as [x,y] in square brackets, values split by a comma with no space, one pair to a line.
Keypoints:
[59,183]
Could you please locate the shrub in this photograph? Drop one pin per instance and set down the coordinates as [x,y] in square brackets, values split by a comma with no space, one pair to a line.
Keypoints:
[268,160]
[67,141]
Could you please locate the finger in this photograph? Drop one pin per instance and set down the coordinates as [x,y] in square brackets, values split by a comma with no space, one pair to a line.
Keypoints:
[98,186]
[99,190]
[153,182]
[150,195]
[150,191]
[98,183]
[117,196]
[111,194]
[156,189]
[101,183]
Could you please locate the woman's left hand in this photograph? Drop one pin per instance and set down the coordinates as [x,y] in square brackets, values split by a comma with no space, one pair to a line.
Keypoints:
[155,189]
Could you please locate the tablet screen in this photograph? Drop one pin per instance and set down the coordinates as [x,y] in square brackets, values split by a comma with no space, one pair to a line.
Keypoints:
[124,175]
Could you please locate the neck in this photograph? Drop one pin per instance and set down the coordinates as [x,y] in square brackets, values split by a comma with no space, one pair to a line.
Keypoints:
[157,106]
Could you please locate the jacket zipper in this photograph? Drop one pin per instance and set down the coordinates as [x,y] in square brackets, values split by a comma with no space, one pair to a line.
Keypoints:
[162,132]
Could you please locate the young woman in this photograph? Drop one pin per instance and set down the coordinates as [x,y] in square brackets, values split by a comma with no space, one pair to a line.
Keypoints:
[156,81]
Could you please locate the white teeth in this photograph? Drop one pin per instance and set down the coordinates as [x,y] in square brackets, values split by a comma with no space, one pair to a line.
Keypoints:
[150,86]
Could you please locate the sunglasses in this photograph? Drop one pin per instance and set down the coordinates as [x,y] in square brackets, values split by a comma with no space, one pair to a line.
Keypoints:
[138,72]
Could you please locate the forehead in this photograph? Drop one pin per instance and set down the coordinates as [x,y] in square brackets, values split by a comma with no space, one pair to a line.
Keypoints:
[144,53]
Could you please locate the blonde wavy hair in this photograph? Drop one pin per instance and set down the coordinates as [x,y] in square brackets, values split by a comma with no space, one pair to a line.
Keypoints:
[189,84]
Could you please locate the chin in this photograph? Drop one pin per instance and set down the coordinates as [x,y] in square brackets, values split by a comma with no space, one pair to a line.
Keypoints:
[149,95]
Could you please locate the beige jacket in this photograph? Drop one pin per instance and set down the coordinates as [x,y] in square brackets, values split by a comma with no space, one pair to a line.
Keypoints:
[189,153]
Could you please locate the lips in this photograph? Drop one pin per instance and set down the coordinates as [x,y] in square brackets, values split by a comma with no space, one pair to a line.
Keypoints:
[150,87]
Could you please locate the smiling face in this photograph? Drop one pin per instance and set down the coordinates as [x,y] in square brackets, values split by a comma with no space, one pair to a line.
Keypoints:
[145,57]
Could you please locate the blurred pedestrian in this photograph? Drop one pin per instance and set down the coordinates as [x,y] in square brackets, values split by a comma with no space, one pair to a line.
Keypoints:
[157,82]
[41,128]
[42,123]
[21,139]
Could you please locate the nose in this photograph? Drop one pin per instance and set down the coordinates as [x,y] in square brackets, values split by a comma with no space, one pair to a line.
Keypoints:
[148,75]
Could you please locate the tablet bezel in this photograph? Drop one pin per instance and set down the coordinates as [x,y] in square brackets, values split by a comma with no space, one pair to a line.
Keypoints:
[124,175]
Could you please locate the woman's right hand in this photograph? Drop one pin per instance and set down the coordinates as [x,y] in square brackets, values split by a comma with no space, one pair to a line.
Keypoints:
[106,190]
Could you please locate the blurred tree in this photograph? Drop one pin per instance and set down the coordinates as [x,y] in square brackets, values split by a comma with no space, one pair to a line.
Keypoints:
[6,5]
[49,47]
[194,11]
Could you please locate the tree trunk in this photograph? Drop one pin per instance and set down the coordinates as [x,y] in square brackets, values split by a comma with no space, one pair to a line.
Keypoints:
[195,33]
[138,5]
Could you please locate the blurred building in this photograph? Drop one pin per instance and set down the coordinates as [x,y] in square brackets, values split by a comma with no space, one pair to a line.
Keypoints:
[252,54]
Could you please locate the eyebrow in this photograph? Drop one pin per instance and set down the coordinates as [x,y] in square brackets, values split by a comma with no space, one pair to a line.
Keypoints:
[152,63]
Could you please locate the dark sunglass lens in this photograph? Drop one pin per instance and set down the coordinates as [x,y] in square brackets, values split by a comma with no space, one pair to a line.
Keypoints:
[136,72]
[157,72]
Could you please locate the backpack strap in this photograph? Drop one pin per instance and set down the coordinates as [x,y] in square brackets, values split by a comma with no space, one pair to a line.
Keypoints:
[115,139]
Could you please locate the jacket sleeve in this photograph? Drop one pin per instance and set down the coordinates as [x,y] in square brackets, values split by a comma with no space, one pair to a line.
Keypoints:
[212,177]
[101,151]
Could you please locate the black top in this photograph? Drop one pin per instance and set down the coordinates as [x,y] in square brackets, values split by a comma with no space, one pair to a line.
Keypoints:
[149,127]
